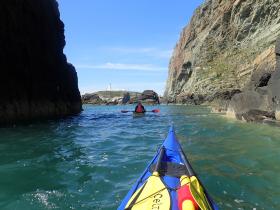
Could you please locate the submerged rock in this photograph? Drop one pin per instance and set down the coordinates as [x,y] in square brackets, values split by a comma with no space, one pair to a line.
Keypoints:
[36,81]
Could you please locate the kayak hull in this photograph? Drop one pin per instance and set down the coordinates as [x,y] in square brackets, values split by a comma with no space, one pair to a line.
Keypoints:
[136,114]
[174,166]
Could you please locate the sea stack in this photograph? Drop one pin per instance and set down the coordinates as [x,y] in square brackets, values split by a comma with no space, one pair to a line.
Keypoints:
[227,57]
[36,80]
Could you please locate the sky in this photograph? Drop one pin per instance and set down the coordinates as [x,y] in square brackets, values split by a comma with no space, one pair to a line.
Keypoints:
[123,43]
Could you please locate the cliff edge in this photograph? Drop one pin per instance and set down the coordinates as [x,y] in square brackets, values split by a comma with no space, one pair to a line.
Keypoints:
[228,48]
[36,81]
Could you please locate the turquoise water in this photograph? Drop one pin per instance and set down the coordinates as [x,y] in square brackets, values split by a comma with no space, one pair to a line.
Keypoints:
[91,161]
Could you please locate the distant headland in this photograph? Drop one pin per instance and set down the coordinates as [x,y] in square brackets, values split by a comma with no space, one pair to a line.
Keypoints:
[117,97]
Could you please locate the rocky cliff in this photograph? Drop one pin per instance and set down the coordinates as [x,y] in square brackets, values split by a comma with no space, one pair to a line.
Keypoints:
[227,48]
[36,81]
[222,45]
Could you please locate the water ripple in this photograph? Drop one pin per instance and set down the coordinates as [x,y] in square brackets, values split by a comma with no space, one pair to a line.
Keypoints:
[90,161]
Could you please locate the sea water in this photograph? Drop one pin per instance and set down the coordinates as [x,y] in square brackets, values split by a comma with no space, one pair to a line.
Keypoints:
[90,161]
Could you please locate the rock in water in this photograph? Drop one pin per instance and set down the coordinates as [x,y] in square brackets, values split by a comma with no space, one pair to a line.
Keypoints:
[36,81]
[126,98]
[92,98]
[149,97]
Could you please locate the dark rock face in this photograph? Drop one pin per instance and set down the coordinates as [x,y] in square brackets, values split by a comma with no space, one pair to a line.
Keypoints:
[190,99]
[219,100]
[227,95]
[264,80]
[126,98]
[36,81]
[91,98]
[149,96]
[261,99]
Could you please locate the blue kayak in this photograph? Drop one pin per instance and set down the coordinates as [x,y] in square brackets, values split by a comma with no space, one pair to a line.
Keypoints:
[168,183]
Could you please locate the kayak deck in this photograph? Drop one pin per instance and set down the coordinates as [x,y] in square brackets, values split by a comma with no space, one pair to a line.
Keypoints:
[173,166]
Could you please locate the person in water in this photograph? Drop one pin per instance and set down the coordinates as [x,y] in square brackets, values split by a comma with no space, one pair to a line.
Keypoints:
[140,108]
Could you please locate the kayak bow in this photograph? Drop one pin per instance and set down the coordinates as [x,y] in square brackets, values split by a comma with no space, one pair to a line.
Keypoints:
[169,182]
[135,114]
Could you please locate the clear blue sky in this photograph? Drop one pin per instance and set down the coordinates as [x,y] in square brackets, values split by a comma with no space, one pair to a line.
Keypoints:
[127,43]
